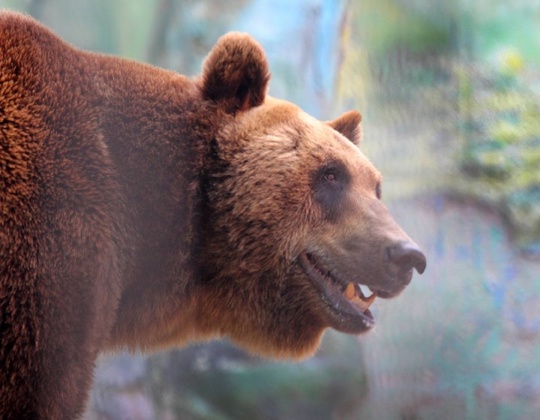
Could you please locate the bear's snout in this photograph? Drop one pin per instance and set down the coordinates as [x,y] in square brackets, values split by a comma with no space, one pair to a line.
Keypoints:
[402,257]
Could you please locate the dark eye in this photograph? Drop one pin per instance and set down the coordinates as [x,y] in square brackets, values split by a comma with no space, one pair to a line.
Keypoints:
[330,176]
[378,191]
[330,183]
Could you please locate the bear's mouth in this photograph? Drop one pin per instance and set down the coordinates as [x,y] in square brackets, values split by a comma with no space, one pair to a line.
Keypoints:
[347,305]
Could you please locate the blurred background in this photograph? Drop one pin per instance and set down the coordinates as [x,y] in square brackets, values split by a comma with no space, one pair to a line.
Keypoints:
[450,97]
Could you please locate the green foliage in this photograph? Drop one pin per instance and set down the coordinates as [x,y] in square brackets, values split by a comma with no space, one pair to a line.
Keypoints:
[501,152]
[219,381]
[505,23]
[272,391]
[419,27]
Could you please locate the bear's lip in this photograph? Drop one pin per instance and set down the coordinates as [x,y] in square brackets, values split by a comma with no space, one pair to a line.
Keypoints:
[346,305]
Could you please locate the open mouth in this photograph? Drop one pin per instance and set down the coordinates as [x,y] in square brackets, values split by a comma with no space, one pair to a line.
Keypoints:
[348,305]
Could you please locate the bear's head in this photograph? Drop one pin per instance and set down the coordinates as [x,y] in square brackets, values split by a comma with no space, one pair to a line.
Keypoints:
[292,217]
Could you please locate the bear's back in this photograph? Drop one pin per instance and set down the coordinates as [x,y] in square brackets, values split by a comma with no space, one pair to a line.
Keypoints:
[97,129]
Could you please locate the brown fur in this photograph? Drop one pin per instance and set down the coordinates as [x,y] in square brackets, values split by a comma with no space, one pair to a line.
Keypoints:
[140,209]
[349,125]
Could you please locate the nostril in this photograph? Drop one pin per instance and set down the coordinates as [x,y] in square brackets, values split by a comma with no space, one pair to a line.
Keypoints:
[406,255]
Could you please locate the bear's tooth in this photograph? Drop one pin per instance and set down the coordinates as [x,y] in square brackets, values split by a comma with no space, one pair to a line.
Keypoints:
[368,300]
[363,303]
[349,291]
[362,290]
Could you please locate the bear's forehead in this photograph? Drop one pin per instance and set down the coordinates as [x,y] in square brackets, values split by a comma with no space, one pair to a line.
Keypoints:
[286,131]
[272,113]
[287,122]
[282,117]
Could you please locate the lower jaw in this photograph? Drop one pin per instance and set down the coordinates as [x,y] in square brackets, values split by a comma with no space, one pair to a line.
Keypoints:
[342,314]
[350,323]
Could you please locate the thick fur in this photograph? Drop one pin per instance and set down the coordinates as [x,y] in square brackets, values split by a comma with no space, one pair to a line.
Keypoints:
[141,209]
[349,125]
[240,69]
[100,160]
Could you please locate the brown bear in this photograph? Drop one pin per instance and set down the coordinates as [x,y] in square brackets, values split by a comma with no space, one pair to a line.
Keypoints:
[141,209]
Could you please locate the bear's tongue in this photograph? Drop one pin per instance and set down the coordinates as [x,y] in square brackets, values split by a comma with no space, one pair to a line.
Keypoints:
[354,294]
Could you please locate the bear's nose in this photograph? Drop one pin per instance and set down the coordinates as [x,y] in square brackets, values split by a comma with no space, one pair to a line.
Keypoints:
[405,256]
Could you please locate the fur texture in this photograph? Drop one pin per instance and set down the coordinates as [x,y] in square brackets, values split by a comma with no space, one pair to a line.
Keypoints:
[141,209]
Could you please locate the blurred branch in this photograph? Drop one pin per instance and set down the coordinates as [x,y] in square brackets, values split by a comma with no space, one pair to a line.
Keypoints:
[157,48]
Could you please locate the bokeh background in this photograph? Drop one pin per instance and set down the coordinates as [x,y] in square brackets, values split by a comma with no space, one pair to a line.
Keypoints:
[450,97]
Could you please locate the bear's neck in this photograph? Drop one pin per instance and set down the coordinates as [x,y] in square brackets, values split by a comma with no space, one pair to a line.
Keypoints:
[157,146]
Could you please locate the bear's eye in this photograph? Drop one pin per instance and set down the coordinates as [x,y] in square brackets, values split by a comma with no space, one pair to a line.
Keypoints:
[378,191]
[330,176]
[330,183]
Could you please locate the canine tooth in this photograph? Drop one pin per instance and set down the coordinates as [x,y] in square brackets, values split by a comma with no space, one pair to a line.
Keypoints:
[368,300]
[360,304]
[364,302]
[350,293]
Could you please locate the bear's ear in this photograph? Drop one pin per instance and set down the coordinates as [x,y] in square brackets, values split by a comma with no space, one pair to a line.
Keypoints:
[235,74]
[349,125]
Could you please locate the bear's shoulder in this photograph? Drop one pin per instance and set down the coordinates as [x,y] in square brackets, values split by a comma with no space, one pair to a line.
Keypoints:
[27,47]
[17,28]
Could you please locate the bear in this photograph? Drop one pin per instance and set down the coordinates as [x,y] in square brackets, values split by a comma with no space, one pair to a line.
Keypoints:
[141,209]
